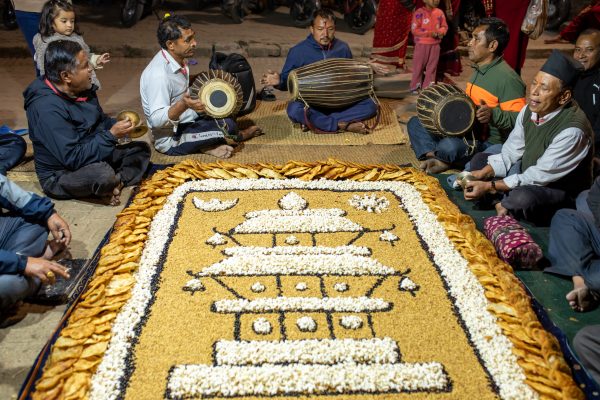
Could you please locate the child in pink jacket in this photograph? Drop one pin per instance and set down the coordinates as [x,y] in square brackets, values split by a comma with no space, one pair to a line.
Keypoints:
[428,28]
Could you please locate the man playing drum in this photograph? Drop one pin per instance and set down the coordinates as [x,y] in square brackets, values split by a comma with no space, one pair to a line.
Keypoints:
[178,122]
[494,87]
[321,44]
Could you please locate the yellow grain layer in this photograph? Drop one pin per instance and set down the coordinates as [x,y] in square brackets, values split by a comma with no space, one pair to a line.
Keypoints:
[71,364]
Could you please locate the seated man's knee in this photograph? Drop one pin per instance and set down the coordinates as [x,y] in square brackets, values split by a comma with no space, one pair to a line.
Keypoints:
[478,161]
[521,198]
[563,217]
[295,111]
[450,150]
[414,127]
[106,180]
[14,288]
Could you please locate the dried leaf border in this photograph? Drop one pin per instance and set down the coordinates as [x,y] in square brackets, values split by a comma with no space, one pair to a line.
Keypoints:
[82,343]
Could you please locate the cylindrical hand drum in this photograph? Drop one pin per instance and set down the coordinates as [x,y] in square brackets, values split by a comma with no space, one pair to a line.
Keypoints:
[331,83]
[445,110]
[219,91]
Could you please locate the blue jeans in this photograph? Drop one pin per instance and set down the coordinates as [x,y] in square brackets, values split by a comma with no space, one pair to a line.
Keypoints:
[451,150]
[12,150]
[574,246]
[328,120]
[29,23]
[24,238]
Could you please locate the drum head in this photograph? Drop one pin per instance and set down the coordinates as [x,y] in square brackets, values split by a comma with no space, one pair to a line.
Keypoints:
[220,93]
[457,117]
[445,110]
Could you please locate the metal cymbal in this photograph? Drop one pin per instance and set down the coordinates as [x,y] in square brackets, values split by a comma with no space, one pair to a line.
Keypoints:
[140,129]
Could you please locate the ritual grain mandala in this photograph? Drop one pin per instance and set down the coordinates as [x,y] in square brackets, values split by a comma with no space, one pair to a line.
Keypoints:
[286,287]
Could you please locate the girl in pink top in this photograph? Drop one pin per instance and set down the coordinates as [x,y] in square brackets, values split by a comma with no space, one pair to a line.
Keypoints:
[428,28]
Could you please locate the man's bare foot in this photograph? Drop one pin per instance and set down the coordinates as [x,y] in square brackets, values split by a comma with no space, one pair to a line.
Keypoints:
[500,210]
[115,199]
[356,127]
[434,166]
[437,166]
[249,133]
[222,151]
[581,298]
[54,248]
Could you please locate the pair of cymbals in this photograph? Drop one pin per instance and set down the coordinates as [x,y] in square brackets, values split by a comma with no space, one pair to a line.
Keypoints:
[140,129]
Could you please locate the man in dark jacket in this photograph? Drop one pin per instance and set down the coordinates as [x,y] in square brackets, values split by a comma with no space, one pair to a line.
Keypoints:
[587,88]
[24,251]
[319,45]
[75,143]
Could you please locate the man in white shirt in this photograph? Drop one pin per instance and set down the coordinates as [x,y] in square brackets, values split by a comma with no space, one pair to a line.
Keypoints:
[552,142]
[178,122]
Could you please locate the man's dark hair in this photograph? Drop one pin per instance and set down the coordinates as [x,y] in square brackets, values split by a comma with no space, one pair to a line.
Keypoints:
[50,11]
[324,13]
[170,29]
[60,56]
[590,31]
[498,31]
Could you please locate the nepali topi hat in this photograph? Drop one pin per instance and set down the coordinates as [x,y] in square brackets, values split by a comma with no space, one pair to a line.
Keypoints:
[563,67]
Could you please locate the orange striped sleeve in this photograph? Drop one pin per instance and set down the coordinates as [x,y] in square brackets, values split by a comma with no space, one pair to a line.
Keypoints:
[477,94]
[513,105]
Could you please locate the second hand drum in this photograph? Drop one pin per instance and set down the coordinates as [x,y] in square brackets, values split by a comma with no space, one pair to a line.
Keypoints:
[445,110]
[220,93]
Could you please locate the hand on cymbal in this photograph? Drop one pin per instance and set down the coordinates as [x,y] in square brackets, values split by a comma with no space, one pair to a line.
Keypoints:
[475,189]
[122,128]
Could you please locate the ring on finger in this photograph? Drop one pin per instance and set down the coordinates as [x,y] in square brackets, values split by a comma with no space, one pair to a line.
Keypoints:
[50,275]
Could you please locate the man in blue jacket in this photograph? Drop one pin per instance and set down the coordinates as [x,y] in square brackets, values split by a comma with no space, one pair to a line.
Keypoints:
[74,142]
[25,252]
[321,44]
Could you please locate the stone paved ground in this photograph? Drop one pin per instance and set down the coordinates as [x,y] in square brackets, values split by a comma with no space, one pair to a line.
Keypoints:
[265,38]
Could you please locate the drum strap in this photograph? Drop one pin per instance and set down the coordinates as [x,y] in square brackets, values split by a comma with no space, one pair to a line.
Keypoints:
[470,147]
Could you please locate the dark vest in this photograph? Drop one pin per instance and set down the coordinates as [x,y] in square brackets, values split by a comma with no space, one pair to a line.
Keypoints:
[538,138]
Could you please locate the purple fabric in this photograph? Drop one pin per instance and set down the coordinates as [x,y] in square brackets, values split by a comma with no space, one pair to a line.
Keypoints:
[512,242]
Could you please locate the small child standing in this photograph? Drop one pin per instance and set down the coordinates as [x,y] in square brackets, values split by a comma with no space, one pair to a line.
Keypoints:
[428,28]
[58,22]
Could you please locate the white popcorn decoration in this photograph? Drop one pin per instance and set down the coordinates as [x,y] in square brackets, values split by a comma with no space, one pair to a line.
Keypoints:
[341,286]
[351,322]
[408,285]
[301,286]
[216,240]
[291,240]
[292,201]
[194,285]
[306,324]
[388,236]
[468,295]
[262,326]
[257,287]
[369,203]
[214,204]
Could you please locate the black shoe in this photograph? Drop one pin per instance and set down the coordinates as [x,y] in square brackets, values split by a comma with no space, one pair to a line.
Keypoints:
[266,94]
